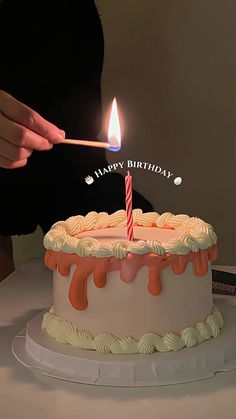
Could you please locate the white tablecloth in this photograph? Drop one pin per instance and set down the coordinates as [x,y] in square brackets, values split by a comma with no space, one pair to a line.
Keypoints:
[23,396]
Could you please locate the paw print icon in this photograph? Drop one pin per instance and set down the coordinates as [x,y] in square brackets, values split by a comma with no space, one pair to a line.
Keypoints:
[89,180]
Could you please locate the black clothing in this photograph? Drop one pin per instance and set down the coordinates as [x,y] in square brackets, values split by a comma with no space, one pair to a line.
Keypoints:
[51,60]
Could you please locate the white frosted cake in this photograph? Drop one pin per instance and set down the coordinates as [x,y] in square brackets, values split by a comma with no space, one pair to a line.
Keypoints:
[150,294]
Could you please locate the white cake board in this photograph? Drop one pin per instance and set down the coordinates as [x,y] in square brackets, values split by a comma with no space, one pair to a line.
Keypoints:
[43,355]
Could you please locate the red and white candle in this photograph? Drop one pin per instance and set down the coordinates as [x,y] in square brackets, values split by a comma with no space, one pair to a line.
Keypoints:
[128,201]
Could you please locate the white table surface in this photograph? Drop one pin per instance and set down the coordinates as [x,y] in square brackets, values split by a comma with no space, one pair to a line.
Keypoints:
[23,396]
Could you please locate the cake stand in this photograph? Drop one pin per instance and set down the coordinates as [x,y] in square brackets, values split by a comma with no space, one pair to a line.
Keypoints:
[43,355]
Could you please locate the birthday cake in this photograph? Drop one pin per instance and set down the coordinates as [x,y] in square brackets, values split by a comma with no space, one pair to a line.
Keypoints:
[153,293]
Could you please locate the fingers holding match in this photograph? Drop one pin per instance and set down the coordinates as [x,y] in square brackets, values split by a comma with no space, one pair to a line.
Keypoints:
[28,118]
[21,136]
[22,130]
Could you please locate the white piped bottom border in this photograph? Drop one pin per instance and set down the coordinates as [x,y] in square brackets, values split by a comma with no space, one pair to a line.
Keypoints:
[64,332]
[43,355]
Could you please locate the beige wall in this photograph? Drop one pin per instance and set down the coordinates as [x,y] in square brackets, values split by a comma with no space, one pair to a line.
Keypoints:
[172,66]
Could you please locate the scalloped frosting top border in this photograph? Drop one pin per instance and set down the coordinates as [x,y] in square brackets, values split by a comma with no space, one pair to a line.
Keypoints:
[63,236]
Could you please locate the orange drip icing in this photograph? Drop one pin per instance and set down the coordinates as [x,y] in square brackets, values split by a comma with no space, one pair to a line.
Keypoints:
[128,268]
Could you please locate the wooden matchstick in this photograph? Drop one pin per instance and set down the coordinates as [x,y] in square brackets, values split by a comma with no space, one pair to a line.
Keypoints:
[86,143]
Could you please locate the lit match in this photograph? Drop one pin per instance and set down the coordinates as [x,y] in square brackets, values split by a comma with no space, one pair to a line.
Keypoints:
[114,135]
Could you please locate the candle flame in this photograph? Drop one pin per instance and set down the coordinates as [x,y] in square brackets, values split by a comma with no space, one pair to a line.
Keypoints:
[114,135]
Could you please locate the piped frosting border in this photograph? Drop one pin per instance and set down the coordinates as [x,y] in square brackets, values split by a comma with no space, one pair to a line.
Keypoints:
[64,332]
[63,236]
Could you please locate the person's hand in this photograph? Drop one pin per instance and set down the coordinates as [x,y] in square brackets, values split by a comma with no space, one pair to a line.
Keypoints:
[23,130]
